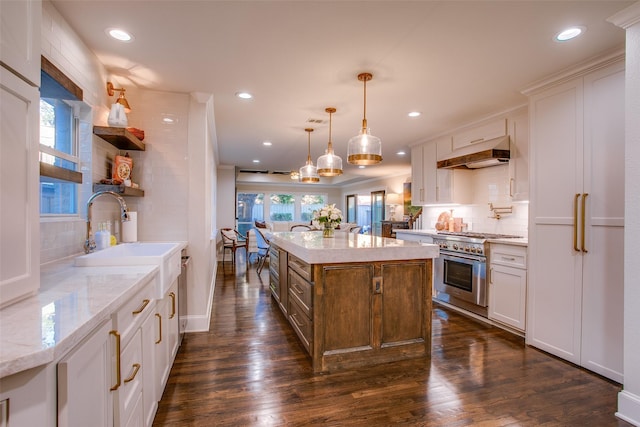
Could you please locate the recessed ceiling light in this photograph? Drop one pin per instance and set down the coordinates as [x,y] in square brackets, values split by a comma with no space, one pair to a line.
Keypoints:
[244,95]
[256,161]
[569,33]
[414,113]
[267,143]
[119,34]
[401,153]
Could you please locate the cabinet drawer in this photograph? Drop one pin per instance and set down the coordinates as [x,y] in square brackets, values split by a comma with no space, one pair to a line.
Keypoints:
[301,291]
[131,385]
[274,255]
[509,255]
[300,267]
[302,324]
[485,132]
[132,313]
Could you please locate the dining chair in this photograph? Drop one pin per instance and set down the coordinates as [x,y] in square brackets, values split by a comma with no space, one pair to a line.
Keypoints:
[232,240]
[300,227]
[263,245]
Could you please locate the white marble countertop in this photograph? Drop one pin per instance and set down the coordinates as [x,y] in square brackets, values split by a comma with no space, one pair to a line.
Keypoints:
[72,301]
[521,241]
[311,247]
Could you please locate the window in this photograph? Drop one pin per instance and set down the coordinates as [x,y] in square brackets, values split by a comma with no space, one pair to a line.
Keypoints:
[282,207]
[310,203]
[250,209]
[58,148]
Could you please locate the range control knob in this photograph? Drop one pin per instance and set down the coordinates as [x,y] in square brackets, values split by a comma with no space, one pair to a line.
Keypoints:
[455,246]
[467,249]
[473,250]
[480,251]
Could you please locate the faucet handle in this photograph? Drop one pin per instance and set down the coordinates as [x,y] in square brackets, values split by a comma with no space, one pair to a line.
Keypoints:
[89,246]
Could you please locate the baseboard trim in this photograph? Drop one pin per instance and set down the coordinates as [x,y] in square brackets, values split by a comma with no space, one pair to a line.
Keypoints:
[629,407]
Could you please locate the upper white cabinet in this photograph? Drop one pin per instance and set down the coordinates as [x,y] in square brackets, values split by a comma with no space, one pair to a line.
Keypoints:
[576,221]
[519,162]
[19,187]
[485,132]
[430,185]
[20,38]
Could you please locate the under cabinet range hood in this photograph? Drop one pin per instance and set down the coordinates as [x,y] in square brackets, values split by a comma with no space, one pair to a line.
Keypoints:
[480,155]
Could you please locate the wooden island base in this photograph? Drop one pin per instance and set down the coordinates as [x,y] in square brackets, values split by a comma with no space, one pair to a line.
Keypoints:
[355,314]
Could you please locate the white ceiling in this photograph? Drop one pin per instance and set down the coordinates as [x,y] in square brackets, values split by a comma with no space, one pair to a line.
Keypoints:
[454,61]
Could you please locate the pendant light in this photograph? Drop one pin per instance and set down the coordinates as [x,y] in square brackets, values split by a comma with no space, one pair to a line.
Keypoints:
[309,173]
[329,164]
[364,149]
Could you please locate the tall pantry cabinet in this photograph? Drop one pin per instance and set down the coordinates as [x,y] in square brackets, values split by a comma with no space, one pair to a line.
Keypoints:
[576,218]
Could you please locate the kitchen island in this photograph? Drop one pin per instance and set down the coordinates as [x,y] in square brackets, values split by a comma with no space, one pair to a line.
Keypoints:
[354,300]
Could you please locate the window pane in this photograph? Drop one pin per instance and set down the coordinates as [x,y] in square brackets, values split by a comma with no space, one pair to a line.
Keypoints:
[58,197]
[310,203]
[250,208]
[282,207]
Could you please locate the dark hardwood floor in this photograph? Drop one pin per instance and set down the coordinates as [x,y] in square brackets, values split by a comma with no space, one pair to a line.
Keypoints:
[250,370]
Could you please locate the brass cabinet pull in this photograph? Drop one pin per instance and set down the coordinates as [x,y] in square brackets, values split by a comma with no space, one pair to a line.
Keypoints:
[118,377]
[136,368]
[159,317]
[584,203]
[173,305]
[145,302]
[476,140]
[575,223]
[491,275]
[297,288]
[511,182]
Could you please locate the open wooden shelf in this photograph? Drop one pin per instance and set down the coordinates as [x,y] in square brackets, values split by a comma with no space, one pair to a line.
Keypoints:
[120,138]
[120,189]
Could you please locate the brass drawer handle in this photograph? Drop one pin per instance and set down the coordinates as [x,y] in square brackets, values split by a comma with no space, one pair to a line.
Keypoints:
[144,305]
[118,376]
[136,368]
[173,305]
[297,288]
[159,317]
[584,203]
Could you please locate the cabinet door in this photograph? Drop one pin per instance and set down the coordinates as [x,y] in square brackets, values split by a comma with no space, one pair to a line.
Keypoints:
[417,180]
[603,269]
[173,324]
[519,162]
[150,396]
[19,187]
[555,268]
[507,295]
[484,132]
[127,396]
[84,382]
[430,172]
[20,37]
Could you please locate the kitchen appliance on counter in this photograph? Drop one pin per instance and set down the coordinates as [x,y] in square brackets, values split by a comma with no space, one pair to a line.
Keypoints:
[461,270]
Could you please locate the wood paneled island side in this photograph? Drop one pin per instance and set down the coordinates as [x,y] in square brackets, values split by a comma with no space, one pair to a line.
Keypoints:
[354,300]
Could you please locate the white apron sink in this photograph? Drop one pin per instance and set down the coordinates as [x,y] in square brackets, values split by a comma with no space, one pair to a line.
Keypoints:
[166,255]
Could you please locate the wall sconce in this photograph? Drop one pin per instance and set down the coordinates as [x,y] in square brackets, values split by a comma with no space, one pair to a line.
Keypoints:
[393,200]
[121,99]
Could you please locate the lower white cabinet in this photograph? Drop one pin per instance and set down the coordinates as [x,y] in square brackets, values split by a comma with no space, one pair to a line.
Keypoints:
[508,285]
[25,398]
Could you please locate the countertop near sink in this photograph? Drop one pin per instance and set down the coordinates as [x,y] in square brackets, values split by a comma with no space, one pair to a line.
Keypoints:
[72,301]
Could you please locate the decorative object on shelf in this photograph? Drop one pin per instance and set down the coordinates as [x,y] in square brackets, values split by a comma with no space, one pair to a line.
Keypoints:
[364,149]
[137,132]
[117,117]
[498,212]
[121,99]
[308,172]
[393,200]
[122,167]
[329,217]
[329,164]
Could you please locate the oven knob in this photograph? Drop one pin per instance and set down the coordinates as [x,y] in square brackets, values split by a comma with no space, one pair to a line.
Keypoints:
[467,249]
[473,250]
[480,250]
[455,246]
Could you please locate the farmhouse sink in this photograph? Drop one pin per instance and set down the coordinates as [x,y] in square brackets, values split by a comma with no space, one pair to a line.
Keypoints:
[167,256]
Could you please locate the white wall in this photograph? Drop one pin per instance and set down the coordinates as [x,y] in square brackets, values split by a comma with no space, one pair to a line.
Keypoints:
[629,397]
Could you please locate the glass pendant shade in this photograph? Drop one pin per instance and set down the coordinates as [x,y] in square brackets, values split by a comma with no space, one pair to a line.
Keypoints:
[364,149]
[329,164]
[308,172]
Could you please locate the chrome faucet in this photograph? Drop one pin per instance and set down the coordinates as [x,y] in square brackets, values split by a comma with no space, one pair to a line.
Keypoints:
[90,243]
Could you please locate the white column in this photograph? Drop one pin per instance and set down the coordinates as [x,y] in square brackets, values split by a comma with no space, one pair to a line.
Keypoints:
[629,397]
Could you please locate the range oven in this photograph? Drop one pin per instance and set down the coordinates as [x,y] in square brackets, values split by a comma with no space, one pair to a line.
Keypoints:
[460,273]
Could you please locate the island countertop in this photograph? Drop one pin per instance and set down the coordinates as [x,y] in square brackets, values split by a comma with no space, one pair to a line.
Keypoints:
[313,248]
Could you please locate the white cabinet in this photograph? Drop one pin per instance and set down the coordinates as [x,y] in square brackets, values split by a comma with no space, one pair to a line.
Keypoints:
[477,134]
[20,38]
[85,377]
[519,161]
[576,221]
[19,187]
[508,285]
[430,185]
[25,398]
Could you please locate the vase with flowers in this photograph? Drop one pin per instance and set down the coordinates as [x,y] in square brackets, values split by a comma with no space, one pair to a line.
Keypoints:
[328,217]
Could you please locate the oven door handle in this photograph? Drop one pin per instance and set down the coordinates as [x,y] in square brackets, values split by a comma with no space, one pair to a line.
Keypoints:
[454,257]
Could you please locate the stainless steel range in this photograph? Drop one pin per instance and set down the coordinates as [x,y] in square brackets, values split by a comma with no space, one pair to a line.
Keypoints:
[461,270]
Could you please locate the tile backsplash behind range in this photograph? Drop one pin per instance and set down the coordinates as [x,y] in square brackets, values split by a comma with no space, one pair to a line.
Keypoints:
[491,185]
